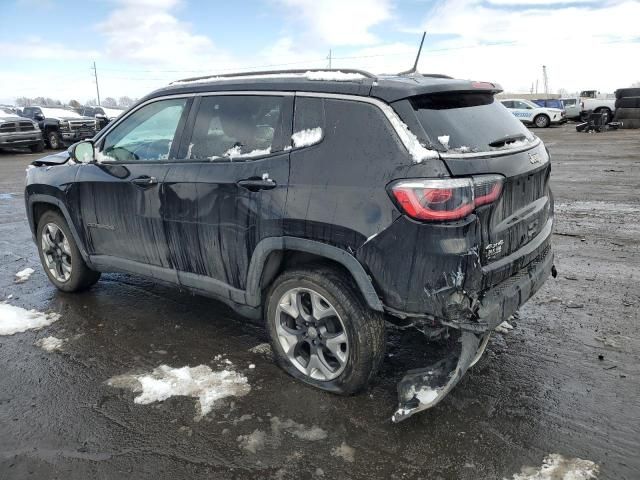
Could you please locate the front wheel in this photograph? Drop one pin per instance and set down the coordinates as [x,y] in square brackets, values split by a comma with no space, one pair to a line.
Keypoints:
[542,121]
[60,255]
[38,147]
[322,332]
[55,143]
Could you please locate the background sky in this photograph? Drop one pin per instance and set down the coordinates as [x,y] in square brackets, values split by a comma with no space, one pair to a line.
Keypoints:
[47,47]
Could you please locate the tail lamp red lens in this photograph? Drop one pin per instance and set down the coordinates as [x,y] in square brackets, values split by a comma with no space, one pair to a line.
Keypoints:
[447,198]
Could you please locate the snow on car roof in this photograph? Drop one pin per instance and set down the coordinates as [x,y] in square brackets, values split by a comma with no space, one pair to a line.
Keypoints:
[59,113]
[319,75]
[7,114]
[112,112]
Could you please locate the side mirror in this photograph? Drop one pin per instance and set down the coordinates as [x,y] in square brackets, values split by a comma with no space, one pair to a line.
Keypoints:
[82,152]
[39,117]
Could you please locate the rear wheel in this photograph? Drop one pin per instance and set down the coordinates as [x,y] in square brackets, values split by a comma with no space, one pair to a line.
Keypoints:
[542,121]
[53,139]
[322,332]
[60,256]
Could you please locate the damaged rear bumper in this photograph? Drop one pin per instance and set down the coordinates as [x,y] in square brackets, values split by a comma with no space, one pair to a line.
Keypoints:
[424,388]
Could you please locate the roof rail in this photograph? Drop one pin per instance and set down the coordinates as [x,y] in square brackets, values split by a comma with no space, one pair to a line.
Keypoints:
[278,72]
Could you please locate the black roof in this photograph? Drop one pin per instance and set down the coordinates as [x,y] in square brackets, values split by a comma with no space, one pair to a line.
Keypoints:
[385,87]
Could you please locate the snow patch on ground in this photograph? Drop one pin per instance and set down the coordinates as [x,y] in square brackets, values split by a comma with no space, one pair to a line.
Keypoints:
[557,467]
[415,148]
[253,442]
[258,439]
[23,275]
[504,327]
[50,344]
[307,137]
[199,382]
[261,349]
[444,140]
[344,451]
[17,319]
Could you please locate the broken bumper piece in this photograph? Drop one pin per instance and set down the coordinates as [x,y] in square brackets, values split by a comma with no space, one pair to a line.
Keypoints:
[423,388]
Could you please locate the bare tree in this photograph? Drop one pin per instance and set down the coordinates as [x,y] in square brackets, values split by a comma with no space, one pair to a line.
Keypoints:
[636,84]
[74,104]
[125,102]
[109,102]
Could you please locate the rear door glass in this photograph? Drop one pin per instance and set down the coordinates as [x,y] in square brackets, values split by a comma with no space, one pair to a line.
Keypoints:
[232,127]
[467,122]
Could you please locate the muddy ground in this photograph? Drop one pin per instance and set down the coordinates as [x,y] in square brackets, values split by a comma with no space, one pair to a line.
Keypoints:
[565,380]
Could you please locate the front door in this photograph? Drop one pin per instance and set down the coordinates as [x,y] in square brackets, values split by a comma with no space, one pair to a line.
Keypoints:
[522,111]
[120,194]
[229,189]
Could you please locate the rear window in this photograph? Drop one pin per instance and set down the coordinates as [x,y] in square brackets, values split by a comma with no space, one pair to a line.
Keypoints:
[463,122]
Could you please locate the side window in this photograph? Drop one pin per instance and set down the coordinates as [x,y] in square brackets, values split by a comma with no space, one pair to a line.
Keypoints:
[522,105]
[147,134]
[308,121]
[238,127]
[508,103]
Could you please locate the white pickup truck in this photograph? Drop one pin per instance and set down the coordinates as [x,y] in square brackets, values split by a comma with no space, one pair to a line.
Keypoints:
[593,100]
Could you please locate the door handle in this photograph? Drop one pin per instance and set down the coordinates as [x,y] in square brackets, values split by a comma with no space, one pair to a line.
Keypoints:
[255,184]
[145,181]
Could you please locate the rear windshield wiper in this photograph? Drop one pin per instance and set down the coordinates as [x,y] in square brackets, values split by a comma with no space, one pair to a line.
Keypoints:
[501,142]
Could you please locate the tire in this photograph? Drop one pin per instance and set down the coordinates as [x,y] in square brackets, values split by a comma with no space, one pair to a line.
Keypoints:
[605,110]
[627,92]
[54,141]
[38,147]
[363,349]
[627,113]
[542,121]
[64,265]
[631,123]
[628,102]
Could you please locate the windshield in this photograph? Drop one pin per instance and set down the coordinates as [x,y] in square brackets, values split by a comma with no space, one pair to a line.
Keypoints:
[569,101]
[467,122]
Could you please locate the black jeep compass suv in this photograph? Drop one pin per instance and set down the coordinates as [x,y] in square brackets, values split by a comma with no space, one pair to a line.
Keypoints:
[325,202]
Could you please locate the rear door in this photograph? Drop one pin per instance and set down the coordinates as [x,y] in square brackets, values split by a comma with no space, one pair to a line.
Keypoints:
[228,188]
[484,138]
[120,195]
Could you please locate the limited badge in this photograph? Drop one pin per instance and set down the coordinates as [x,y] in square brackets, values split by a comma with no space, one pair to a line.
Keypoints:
[493,249]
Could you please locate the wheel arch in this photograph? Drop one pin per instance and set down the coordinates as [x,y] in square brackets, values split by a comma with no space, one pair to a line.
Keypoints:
[38,204]
[271,253]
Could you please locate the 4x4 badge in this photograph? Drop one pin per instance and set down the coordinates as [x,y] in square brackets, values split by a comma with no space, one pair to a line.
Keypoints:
[534,158]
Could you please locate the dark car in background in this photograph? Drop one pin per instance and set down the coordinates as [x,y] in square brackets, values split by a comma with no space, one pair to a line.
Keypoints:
[326,203]
[103,115]
[19,132]
[60,126]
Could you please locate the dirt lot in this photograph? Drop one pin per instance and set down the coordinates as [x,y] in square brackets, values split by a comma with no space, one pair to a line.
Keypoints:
[565,380]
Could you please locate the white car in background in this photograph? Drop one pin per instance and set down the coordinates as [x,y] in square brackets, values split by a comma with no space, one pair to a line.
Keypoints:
[530,113]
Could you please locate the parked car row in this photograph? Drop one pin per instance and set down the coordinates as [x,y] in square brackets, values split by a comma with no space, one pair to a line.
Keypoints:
[531,113]
[34,127]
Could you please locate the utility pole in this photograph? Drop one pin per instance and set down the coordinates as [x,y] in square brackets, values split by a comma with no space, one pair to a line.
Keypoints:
[329,58]
[546,81]
[95,73]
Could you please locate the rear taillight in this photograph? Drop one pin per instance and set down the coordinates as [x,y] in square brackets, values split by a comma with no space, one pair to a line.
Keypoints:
[447,198]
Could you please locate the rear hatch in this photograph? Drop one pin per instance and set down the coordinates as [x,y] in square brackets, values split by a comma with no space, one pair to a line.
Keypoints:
[476,135]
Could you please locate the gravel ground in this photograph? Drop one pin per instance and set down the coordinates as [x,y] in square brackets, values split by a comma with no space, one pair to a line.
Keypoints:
[564,381]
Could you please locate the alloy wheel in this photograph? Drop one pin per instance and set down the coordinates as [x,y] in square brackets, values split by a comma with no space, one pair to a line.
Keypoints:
[56,252]
[312,334]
